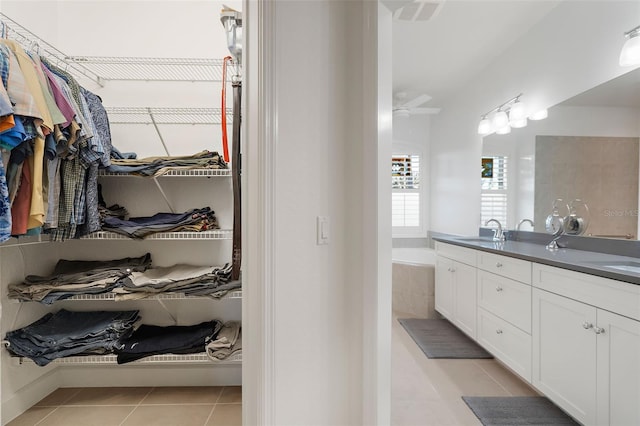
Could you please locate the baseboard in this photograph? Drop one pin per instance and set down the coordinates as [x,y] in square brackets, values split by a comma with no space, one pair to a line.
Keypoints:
[28,395]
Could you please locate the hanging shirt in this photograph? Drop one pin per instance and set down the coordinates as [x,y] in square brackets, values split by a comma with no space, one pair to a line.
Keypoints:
[5,103]
[56,116]
[5,207]
[60,98]
[100,121]
[13,137]
[17,89]
[22,203]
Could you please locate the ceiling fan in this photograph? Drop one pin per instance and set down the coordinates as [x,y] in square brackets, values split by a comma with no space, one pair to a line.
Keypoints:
[414,10]
[403,107]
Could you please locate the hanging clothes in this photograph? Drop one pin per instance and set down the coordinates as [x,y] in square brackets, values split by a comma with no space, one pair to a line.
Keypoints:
[5,207]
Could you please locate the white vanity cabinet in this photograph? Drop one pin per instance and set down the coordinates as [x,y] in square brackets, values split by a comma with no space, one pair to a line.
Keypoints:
[574,336]
[456,286]
[504,310]
[586,358]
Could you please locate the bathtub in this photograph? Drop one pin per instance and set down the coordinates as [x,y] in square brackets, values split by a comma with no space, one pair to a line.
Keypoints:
[413,282]
[414,256]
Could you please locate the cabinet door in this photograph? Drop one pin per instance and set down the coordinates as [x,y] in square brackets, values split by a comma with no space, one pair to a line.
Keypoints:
[564,353]
[464,298]
[444,287]
[618,370]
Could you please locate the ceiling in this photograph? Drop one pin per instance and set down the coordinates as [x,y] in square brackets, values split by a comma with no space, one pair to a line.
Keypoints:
[440,55]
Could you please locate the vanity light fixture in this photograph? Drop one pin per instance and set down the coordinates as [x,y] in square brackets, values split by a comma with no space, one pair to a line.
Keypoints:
[630,53]
[485,127]
[503,117]
[504,130]
[500,120]
[539,115]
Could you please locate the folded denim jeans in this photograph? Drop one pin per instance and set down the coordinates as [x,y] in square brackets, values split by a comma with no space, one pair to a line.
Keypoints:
[68,333]
[150,340]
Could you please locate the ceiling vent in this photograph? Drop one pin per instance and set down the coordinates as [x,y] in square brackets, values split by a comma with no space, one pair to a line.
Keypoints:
[415,10]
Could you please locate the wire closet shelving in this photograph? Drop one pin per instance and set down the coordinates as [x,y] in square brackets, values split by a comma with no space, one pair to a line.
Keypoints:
[199,358]
[104,68]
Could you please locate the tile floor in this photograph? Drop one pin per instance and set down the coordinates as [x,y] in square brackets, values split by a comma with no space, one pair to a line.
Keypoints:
[171,406]
[427,392]
[424,392]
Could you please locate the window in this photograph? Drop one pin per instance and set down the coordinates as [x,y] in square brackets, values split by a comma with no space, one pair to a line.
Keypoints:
[493,204]
[406,195]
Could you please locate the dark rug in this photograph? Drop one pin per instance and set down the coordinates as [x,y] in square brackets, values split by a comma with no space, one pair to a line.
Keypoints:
[517,411]
[438,338]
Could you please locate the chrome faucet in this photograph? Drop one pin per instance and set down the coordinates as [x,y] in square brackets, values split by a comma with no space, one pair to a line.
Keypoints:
[523,221]
[498,235]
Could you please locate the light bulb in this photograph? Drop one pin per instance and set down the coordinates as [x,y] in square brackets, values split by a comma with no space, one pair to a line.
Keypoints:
[500,120]
[630,53]
[484,128]
[540,115]
[517,111]
[516,124]
[504,130]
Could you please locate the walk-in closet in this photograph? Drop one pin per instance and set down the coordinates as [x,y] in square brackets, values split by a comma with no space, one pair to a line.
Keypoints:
[121,293]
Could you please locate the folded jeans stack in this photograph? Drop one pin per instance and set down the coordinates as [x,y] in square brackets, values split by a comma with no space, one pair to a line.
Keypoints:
[73,277]
[148,340]
[157,166]
[195,220]
[228,342]
[190,280]
[67,333]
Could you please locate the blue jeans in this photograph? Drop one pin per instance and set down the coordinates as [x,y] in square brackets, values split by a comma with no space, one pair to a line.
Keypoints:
[68,333]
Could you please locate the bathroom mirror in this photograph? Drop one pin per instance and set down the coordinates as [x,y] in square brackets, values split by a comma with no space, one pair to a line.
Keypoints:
[587,149]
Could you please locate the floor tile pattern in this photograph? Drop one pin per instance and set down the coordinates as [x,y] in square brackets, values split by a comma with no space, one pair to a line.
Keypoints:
[137,406]
[424,392]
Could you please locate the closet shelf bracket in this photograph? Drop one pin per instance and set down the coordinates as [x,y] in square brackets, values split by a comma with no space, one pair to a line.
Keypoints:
[164,195]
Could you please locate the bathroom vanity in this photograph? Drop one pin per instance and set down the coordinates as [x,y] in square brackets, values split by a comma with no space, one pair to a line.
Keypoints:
[566,321]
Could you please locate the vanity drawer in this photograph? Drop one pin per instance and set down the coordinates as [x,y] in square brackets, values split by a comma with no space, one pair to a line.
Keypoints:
[612,295]
[506,298]
[507,343]
[517,269]
[461,254]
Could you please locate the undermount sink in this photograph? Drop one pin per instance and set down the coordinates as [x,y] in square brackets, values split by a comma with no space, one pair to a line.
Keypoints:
[629,266]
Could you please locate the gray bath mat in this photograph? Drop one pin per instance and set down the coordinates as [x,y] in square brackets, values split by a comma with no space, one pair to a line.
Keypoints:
[517,411]
[439,338]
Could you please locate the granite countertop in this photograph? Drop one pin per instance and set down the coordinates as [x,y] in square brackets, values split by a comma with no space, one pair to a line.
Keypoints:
[621,268]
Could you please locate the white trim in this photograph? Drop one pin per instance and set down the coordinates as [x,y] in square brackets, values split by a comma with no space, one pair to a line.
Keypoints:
[376,243]
[259,157]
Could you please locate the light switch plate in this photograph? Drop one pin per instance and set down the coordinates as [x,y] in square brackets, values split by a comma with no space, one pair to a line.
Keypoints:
[322,230]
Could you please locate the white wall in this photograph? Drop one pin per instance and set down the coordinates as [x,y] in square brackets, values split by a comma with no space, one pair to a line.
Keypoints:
[321,324]
[572,49]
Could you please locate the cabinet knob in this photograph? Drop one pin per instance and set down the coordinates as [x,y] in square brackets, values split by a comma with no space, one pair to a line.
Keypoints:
[453,269]
[498,331]
[587,325]
[498,265]
[498,288]
[599,330]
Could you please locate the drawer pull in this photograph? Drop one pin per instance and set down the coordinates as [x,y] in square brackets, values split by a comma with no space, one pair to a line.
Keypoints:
[498,288]
[599,330]
[498,265]
[587,325]
[452,269]
[498,331]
